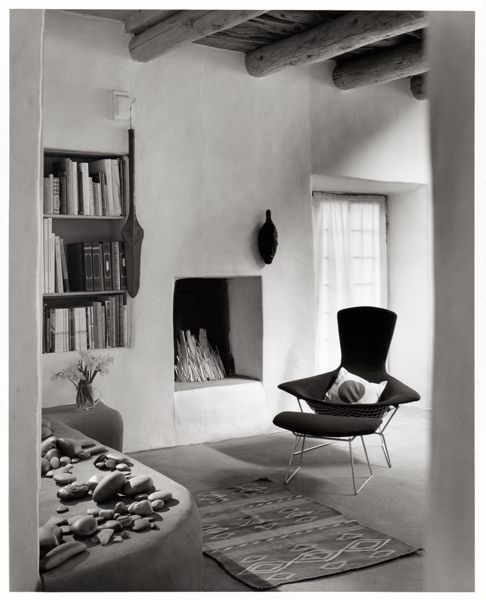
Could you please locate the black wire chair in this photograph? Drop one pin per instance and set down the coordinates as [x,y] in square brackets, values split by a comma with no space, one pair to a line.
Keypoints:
[365,334]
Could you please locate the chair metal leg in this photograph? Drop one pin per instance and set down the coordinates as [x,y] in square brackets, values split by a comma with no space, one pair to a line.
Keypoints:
[289,475]
[384,447]
[350,442]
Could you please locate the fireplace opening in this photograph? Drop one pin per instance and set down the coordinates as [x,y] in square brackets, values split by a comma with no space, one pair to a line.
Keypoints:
[217,329]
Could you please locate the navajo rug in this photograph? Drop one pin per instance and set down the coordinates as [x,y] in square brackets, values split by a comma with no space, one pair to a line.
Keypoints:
[266,535]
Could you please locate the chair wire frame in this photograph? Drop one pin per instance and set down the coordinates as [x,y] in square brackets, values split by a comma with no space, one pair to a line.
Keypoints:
[386,413]
[383,411]
[300,439]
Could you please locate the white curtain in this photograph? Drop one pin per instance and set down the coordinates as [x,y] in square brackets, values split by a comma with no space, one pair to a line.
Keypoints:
[350,238]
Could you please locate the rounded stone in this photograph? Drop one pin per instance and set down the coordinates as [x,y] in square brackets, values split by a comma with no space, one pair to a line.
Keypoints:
[73,491]
[52,453]
[64,478]
[55,462]
[83,455]
[111,524]
[65,460]
[50,473]
[157,504]
[160,495]
[122,467]
[141,525]
[107,513]
[74,460]
[138,485]
[93,481]
[93,511]
[105,536]
[110,464]
[62,509]
[121,507]
[45,466]
[84,526]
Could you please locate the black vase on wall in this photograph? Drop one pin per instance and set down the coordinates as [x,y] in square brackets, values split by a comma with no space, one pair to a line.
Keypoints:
[268,239]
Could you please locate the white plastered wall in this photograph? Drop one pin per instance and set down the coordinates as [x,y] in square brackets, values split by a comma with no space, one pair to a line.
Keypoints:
[215,148]
[26,33]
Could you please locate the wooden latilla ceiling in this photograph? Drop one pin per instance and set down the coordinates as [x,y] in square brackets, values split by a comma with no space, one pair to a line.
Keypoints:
[367,47]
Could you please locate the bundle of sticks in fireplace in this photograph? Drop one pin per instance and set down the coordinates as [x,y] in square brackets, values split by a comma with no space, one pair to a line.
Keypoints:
[196,360]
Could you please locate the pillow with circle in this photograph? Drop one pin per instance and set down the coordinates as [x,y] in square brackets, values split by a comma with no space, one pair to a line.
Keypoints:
[349,388]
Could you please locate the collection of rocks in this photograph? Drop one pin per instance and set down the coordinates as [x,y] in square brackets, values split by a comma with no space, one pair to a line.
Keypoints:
[136,508]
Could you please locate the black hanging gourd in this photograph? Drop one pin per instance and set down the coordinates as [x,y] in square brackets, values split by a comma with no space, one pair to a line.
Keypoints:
[268,239]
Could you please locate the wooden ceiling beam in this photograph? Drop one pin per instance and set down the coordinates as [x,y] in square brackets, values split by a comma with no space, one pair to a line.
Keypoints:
[395,63]
[418,86]
[140,20]
[183,27]
[348,32]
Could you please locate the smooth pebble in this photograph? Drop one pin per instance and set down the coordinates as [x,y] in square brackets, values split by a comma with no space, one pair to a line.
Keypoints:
[107,513]
[110,464]
[93,511]
[141,525]
[64,478]
[65,460]
[55,462]
[157,504]
[122,467]
[160,495]
[105,536]
[62,509]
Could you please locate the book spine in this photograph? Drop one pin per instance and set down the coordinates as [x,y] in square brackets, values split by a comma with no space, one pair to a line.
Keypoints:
[115,178]
[46,254]
[114,343]
[126,184]
[91,196]
[56,199]
[88,266]
[63,209]
[97,266]
[65,277]
[75,265]
[48,195]
[71,329]
[65,329]
[84,187]
[59,278]
[107,324]
[125,325]
[52,256]
[75,187]
[107,280]
[115,265]
[123,267]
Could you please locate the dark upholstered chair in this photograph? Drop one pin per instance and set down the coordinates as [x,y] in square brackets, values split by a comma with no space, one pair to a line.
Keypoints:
[365,334]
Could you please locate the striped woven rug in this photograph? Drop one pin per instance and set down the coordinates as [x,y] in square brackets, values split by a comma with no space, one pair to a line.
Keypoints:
[265,535]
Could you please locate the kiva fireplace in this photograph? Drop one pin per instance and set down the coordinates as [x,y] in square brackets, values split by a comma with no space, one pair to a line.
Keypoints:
[217,329]
[217,321]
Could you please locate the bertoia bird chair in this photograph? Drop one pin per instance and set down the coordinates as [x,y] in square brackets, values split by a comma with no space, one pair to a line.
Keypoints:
[357,399]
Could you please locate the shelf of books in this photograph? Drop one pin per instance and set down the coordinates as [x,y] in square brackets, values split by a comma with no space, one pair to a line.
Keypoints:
[85,302]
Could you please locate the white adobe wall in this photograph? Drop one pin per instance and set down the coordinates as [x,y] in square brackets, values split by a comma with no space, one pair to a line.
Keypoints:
[215,148]
[374,139]
[26,32]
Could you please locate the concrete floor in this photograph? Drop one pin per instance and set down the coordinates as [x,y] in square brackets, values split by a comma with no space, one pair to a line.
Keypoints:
[394,501]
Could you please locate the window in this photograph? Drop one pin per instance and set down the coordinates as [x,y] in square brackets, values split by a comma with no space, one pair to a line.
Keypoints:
[350,236]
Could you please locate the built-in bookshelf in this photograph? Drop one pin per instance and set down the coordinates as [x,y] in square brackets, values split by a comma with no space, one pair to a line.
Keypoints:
[85,299]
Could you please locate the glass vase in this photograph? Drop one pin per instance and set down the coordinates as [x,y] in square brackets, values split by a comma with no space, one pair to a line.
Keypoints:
[84,396]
